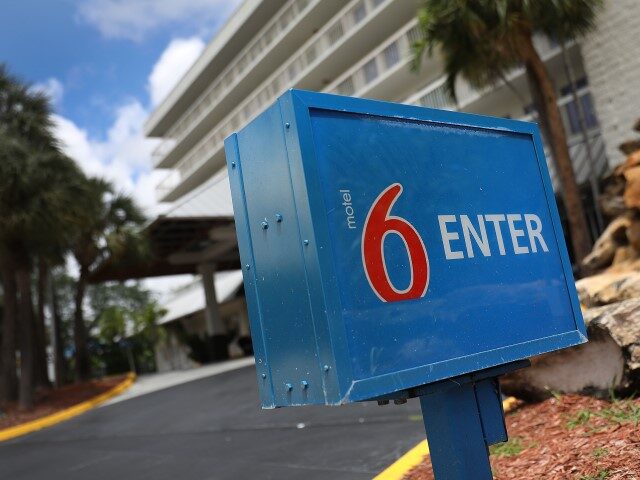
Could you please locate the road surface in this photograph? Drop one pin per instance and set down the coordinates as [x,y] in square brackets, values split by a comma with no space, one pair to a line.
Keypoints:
[213,428]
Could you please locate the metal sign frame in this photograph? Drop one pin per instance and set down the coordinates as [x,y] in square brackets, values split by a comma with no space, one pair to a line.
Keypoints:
[277,150]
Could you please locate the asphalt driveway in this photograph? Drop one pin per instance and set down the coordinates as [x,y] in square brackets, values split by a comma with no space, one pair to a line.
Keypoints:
[213,428]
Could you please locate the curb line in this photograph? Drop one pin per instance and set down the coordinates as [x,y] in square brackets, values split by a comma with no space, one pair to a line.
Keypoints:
[398,469]
[67,413]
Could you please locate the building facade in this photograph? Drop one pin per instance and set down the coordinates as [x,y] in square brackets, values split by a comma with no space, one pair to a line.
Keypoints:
[362,48]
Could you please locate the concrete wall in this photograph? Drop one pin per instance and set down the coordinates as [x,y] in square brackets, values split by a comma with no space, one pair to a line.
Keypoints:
[612,61]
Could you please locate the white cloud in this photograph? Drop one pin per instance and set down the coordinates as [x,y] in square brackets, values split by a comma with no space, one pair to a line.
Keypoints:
[172,65]
[52,88]
[134,19]
[123,157]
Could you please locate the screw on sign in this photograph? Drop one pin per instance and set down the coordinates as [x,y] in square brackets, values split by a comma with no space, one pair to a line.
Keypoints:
[458,274]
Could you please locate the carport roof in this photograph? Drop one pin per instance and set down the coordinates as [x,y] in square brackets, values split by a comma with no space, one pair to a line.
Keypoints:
[190,298]
[188,227]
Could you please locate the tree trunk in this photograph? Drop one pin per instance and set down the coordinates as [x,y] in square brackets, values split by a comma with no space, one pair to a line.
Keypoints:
[56,340]
[40,357]
[83,366]
[25,307]
[9,377]
[545,91]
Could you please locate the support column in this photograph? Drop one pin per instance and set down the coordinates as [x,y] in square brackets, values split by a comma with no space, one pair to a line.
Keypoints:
[216,331]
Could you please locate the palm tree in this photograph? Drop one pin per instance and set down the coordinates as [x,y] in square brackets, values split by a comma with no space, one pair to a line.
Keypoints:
[108,230]
[38,207]
[482,40]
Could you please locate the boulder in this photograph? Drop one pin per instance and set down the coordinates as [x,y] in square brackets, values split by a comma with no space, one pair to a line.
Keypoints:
[629,146]
[613,237]
[632,189]
[610,361]
[609,287]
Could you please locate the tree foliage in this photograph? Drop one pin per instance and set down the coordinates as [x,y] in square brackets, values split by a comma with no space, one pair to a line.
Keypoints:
[483,40]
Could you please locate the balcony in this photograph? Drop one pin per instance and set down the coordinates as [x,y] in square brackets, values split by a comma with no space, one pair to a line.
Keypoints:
[262,46]
[353,26]
[384,71]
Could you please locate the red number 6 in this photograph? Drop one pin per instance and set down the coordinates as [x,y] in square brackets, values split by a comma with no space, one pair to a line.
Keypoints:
[377,226]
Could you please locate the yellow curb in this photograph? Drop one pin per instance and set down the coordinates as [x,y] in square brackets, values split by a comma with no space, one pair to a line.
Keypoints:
[66,414]
[414,457]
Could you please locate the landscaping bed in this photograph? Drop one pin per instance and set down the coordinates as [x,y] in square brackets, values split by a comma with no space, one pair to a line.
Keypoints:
[566,437]
[52,401]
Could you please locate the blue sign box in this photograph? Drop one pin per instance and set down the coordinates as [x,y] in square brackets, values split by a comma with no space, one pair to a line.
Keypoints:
[388,246]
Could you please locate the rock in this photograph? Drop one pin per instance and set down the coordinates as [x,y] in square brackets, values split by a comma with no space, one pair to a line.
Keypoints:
[598,290]
[608,287]
[633,234]
[611,201]
[612,206]
[629,146]
[613,237]
[610,361]
[632,189]
[624,255]
[632,160]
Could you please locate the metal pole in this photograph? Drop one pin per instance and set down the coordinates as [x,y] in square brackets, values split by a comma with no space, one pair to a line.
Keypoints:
[585,136]
[456,438]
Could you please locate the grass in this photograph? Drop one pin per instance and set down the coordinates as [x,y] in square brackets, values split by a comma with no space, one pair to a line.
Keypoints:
[620,411]
[600,452]
[601,475]
[581,418]
[510,448]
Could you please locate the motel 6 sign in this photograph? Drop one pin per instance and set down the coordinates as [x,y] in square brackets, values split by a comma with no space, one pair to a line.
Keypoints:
[389,248]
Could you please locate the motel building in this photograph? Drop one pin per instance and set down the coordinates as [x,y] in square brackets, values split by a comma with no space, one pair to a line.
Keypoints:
[360,48]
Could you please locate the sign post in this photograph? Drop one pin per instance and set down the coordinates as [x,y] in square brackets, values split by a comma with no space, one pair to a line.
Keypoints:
[392,251]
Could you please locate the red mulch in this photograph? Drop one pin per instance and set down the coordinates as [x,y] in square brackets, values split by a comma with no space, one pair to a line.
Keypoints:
[571,437]
[52,401]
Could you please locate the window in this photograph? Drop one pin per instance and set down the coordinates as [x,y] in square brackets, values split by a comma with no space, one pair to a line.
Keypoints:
[359,12]
[391,55]
[370,70]
[580,84]
[572,113]
[346,87]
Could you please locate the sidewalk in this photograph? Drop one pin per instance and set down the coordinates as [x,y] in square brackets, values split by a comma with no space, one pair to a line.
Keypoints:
[159,381]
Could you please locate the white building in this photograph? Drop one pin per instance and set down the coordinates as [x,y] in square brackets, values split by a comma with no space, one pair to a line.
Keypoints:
[359,48]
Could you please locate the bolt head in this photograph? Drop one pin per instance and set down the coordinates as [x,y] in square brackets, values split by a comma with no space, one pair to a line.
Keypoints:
[287,125]
[400,401]
[288,386]
[265,225]
[306,242]
[247,266]
[278,217]
[233,164]
[264,375]
[304,384]
[326,368]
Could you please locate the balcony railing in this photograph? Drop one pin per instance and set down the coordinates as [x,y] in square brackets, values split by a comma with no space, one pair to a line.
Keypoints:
[283,21]
[390,55]
[319,47]
[435,95]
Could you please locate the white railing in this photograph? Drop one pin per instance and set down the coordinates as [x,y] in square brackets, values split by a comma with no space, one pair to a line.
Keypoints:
[437,97]
[270,34]
[320,46]
[390,55]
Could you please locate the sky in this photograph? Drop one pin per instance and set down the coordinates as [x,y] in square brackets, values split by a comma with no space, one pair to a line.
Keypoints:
[106,64]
